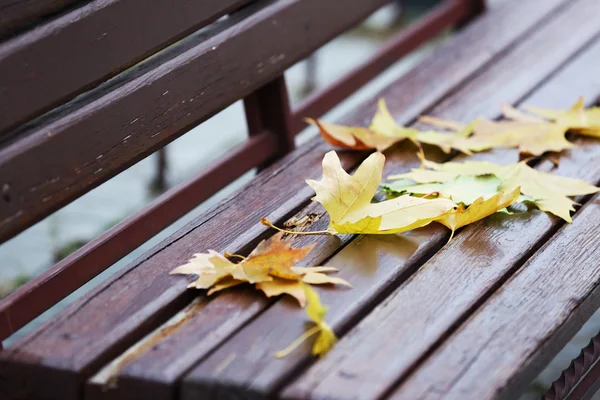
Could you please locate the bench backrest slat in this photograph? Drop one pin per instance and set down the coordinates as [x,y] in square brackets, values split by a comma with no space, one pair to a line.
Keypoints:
[108,134]
[85,46]
[19,14]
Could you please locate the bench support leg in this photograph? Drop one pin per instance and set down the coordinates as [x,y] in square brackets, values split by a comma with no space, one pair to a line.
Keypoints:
[476,7]
[268,109]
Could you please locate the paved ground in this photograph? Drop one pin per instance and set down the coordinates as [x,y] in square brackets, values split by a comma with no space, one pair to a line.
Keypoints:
[37,248]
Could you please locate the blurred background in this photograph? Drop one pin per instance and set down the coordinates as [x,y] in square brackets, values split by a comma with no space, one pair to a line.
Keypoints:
[42,245]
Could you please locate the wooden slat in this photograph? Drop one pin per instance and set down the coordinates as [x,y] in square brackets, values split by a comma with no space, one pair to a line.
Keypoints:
[19,14]
[503,346]
[87,335]
[153,373]
[419,314]
[55,283]
[131,121]
[256,371]
[59,59]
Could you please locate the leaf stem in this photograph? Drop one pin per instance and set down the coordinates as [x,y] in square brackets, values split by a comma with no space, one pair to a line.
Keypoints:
[430,194]
[314,330]
[231,255]
[268,223]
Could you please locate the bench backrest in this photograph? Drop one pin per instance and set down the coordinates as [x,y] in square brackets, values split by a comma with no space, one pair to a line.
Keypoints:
[89,88]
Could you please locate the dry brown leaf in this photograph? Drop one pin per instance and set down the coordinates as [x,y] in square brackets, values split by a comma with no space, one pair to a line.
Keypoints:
[269,266]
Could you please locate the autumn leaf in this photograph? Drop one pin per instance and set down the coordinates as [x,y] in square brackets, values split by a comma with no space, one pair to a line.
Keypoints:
[353,137]
[326,339]
[347,199]
[461,189]
[479,209]
[548,192]
[385,132]
[384,124]
[577,118]
[294,286]
[529,134]
[269,266]
[533,138]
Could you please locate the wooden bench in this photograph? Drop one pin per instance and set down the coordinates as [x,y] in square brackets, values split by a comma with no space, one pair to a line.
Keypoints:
[476,318]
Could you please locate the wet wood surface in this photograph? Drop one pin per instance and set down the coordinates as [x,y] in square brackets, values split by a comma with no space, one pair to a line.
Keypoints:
[99,327]
[141,334]
[432,298]
[548,300]
[458,278]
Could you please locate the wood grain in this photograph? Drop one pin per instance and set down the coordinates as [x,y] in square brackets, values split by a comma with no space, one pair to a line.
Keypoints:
[390,342]
[257,374]
[118,313]
[501,348]
[85,46]
[172,95]
[21,14]
[153,373]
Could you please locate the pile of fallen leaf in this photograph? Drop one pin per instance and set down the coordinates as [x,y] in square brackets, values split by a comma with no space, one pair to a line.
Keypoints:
[535,133]
[453,194]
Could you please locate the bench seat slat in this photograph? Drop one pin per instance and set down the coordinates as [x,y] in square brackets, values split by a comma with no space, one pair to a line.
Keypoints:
[502,347]
[418,315]
[254,369]
[87,335]
[155,373]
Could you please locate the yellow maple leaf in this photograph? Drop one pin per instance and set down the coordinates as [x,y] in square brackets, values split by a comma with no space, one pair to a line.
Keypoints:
[326,338]
[480,209]
[347,199]
[294,286]
[577,118]
[384,132]
[353,137]
[547,191]
[528,134]
[533,138]
[269,266]
[550,192]
[462,189]
[384,124]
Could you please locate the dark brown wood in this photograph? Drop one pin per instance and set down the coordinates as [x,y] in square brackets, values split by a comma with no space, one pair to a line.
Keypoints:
[145,113]
[523,325]
[255,371]
[21,14]
[419,314]
[154,370]
[321,101]
[83,47]
[588,386]
[268,109]
[579,377]
[42,292]
[87,335]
